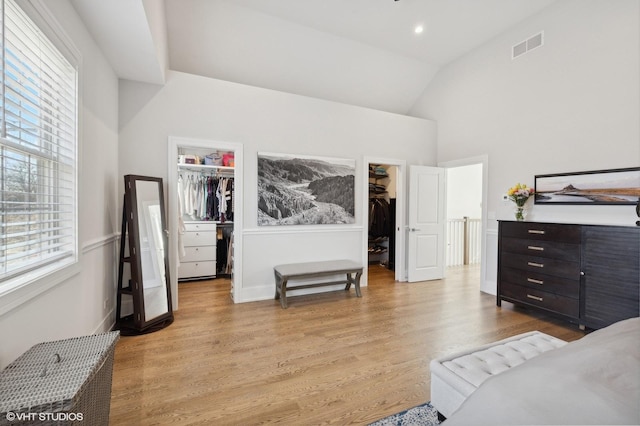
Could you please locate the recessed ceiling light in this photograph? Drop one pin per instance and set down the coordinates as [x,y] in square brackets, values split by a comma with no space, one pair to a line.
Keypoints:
[418,29]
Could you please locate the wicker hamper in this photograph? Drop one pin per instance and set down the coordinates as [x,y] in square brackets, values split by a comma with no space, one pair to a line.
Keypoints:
[60,383]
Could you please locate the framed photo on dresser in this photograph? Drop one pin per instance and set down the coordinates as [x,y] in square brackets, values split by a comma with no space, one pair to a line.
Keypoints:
[614,186]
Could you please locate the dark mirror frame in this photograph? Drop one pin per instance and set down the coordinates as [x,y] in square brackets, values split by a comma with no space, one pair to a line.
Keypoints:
[140,322]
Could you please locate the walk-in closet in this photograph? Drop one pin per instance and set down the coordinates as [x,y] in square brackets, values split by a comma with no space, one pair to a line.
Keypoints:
[205,196]
[382,215]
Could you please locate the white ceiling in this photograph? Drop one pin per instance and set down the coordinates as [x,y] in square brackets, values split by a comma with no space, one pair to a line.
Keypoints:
[360,52]
[123,30]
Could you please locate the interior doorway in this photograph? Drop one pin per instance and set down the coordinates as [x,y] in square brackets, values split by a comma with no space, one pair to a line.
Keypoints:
[384,217]
[221,230]
[464,215]
[381,244]
[466,212]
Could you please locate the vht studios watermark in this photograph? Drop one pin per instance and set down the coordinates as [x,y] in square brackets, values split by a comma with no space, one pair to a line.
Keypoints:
[44,417]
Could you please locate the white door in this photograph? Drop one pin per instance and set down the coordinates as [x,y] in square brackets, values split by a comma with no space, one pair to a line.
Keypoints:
[425,250]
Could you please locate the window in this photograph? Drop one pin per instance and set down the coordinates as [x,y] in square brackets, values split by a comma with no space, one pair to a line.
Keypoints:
[38,122]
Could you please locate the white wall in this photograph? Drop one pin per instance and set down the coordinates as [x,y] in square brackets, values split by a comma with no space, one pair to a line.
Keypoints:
[270,121]
[77,306]
[570,105]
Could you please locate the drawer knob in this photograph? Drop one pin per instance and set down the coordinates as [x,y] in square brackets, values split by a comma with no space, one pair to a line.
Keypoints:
[534,281]
[536,265]
[539,299]
[535,248]
[536,231]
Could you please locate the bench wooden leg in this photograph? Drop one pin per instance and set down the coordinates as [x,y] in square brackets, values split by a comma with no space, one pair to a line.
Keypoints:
[281,290]
[355,282]
[283,294]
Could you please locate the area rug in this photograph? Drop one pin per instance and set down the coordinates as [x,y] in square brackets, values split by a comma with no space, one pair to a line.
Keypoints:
[422,415]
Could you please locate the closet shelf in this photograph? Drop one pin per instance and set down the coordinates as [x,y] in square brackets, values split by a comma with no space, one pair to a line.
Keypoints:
[205,167]
[373,240]
[374,175]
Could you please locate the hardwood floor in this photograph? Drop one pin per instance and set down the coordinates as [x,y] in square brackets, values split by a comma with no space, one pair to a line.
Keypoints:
[331,358]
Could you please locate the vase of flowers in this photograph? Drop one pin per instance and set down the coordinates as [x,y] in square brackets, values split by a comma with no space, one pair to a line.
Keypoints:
[519,194]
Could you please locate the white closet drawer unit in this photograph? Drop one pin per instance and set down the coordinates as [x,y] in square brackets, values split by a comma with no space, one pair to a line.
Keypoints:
[199,242]
[199,238]
[197,269]
[199,254]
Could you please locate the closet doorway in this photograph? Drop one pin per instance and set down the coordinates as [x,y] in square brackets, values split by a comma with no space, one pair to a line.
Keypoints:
[384,247]
[205,212]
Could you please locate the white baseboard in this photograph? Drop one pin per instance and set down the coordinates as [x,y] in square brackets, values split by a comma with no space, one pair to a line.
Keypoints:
[107,323]
[267,292]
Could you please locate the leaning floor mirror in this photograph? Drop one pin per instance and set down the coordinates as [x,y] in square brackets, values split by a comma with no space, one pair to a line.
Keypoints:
[144,216]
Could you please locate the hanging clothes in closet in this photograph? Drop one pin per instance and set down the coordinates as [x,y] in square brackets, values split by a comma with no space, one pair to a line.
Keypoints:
[379,218]
[202,197]
[224,249]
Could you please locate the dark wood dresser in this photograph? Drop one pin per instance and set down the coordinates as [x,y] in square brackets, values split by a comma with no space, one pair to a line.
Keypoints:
[587,274]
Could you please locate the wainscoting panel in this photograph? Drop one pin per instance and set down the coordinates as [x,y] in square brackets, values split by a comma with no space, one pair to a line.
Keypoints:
[489,284]
[264,249]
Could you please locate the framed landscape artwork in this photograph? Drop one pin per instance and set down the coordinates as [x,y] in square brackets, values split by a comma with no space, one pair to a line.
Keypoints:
[615,186]
[305,190]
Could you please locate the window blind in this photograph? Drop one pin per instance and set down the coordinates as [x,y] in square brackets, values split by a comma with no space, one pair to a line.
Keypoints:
[38,121]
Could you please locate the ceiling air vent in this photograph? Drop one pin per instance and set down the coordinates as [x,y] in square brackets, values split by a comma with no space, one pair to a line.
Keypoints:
[527,45]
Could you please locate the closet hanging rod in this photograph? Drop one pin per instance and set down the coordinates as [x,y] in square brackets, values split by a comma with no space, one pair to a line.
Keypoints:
[203,168]
[202,174]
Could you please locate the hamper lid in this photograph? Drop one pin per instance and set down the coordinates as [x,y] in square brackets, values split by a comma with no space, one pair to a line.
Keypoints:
[54,372]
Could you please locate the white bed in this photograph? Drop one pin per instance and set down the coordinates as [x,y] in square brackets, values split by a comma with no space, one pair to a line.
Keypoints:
[594,380]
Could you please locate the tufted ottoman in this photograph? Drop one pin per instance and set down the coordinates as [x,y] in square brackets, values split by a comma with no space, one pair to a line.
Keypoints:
[455,377]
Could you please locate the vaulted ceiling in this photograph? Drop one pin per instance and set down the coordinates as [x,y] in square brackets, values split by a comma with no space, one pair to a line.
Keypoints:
[359,52]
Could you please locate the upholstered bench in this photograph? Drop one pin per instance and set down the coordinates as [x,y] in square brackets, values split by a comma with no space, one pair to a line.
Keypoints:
[302,271]
[455,377]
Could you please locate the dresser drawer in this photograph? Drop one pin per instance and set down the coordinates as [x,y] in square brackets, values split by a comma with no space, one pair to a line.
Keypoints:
[541,231]
[198,254]
[541,299]
[542,248]
[548,283]
[199,238]
[196,269]
[558,268]
[199,226]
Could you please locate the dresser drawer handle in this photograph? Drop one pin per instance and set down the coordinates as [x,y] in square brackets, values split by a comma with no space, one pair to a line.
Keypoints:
[539,299]
[531,280]
[535,248]
[537,265]
[536,231]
